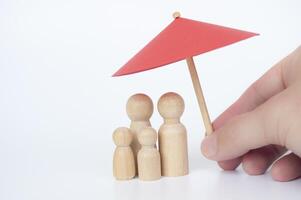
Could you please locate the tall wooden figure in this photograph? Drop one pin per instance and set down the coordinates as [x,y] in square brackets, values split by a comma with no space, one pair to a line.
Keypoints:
[123,160]
[139,108]
[172,136]
[149,166]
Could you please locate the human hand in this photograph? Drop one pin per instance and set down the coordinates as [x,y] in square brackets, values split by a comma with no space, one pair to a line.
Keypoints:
[262,125]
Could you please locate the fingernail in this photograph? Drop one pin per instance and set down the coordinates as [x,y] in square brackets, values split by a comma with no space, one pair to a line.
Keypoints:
[209,146]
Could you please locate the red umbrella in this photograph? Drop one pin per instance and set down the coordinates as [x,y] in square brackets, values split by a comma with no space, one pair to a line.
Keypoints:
[182,39]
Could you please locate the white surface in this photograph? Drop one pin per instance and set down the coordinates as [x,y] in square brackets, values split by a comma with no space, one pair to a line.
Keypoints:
[59,105]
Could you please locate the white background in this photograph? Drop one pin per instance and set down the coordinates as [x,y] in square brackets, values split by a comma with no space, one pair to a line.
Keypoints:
[59,103]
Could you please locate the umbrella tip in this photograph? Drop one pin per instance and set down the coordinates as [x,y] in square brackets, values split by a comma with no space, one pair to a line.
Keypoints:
[176,15]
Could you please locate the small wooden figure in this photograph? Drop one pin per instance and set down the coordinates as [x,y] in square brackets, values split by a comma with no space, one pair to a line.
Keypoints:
[123,161]
[172,136]
[139,108]
[149,164]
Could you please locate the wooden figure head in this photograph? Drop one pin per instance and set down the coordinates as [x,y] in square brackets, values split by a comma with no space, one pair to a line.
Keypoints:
[139,107]
[171,105]
[147,136]
[122,136]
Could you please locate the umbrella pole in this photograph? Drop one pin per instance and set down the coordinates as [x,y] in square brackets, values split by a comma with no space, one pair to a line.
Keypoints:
[199,94]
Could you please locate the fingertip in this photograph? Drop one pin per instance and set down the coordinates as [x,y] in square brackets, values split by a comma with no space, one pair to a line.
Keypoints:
[254,164]
[209,146]
[229,165]
[286,168]
[278,174]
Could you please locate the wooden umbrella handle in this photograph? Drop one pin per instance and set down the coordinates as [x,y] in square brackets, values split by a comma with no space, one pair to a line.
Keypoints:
[199,94]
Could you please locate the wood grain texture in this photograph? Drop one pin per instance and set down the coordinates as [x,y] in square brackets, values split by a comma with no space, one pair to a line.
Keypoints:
[199,94]
[149,163]
[123,159]
[139,109]
[172,136]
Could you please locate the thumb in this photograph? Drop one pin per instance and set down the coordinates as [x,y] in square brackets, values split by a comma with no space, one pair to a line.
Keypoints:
[274,122]
[237,137]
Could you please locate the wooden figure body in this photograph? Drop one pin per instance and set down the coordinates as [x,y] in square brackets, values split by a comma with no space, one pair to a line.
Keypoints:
[123,160]
[172,136]
[139,108]
[149,164]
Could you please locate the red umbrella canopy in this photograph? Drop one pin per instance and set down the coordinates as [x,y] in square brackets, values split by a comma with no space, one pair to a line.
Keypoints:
[181,39]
